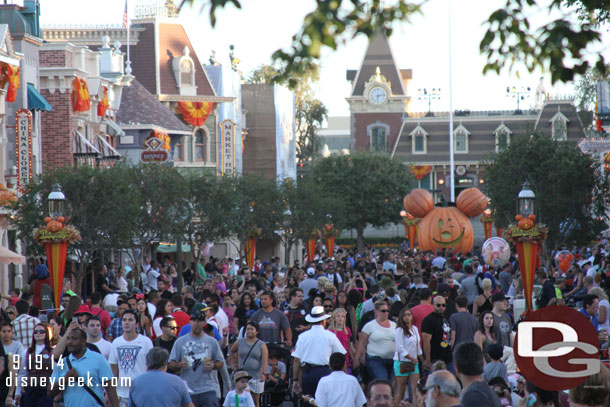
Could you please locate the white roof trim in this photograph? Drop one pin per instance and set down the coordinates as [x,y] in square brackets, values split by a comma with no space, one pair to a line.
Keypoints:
[418,129]
[462,129]
[559,116]
[503,127]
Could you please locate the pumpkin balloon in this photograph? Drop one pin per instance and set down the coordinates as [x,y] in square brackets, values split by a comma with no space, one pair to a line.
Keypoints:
[444,228]
[471,202]
[419,202]
[564,260]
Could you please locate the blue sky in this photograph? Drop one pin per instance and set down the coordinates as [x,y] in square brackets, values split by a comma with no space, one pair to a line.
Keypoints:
[262,26]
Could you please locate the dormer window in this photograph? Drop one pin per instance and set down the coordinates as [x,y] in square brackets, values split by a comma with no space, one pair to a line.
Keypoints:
[184,72]
[419,140]
[559,127]
[460,137]
[502,135]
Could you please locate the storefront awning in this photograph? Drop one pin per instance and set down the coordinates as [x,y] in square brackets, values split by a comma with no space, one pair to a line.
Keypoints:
[8,257]
[36,101]
[82,146]
[171,248]
[108,152]
[113,128]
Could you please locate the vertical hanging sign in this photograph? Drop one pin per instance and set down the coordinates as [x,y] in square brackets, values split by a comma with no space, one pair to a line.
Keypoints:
[227,156]
[23,143]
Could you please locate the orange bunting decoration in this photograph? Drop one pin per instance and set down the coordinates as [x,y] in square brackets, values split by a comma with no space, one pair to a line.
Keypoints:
[420,171]
[195,113]
[102,106]
[81,101]
[10,74]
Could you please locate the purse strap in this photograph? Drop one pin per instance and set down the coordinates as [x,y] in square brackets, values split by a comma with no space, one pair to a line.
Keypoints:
[248,354]
[87,388]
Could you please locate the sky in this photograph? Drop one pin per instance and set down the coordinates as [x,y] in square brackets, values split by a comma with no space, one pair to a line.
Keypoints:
[422,44]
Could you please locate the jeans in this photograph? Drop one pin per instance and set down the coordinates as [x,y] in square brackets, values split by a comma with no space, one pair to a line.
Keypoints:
[36,397]
[207,399]
[311,376]
[379,368]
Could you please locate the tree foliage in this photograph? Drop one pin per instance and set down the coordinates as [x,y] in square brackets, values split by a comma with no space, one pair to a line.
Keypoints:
[570,209]
[369,185]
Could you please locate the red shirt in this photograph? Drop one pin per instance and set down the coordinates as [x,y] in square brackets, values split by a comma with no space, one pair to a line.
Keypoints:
[181,318]
[420,312]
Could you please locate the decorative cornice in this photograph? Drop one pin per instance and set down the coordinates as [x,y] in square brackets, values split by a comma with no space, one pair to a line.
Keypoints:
[91,35]
[198,98]
[144,126]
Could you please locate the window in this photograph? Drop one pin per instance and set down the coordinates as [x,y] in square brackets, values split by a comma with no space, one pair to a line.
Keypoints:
[418,140]
[200,139]
[378,139]
[178,150]
[502,135]
[559,127]
[460,138]
[186,72]
[426,182]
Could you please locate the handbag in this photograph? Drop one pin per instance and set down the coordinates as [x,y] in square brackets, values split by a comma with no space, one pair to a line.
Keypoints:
[407,366]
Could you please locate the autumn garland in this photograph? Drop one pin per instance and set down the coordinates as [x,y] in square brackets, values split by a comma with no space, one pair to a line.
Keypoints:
[537,234]
[56,231]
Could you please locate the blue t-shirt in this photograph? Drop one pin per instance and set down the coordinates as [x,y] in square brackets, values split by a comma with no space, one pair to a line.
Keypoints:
[155,388]
[91,364]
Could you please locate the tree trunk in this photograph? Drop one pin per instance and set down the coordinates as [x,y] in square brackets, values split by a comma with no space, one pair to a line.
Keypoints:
[360,238]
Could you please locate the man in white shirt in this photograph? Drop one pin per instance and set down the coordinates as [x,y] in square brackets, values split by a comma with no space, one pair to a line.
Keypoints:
[313,350]
[152,274]
[339,389]
[221,316]
[128,354]
[94,336]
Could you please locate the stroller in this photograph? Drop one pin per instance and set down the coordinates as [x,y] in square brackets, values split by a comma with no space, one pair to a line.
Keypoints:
[277,390]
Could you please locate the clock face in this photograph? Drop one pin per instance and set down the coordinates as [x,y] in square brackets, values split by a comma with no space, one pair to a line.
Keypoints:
[378,95]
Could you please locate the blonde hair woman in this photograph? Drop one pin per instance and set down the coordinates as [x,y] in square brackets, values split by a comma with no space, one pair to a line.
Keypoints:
[483,301]
[337,326]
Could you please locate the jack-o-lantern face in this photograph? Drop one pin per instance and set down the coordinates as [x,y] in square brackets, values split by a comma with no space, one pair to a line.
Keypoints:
[444,228]
[525,223]
[54,226]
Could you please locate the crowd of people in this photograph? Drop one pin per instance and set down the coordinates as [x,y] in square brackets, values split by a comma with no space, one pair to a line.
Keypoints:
[387,328]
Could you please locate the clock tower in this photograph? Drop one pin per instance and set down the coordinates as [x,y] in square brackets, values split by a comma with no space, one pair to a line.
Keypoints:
[378,99]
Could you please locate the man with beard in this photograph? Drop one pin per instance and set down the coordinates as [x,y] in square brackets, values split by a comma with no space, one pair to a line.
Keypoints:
[436,336]
[442,390]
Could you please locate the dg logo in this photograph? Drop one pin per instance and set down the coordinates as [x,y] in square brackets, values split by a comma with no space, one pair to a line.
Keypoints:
[556,348]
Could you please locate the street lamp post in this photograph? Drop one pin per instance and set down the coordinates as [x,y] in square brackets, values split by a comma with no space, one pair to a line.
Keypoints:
[526,200]
[57,201]
[520,94]
[434,94]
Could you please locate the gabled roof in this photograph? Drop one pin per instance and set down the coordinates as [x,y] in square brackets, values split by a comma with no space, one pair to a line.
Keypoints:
[160,43]
[553,108]
[214,73]
[139,106]
[379,54]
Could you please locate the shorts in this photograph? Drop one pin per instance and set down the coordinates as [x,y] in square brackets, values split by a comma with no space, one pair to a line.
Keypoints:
[256,386]
[397,369]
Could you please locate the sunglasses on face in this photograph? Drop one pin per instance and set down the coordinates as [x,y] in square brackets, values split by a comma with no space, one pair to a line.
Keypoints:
[441,305]
[173,328]
[39,331]
[384,310]
[11,313]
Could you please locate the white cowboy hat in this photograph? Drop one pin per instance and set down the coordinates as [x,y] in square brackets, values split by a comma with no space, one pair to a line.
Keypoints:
[317,314]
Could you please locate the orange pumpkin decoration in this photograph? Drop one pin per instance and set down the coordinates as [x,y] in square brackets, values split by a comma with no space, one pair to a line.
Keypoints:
[525,223]
[47,220]
[419,202]
[471,202]
[444,228]
[60,219]
[54,226]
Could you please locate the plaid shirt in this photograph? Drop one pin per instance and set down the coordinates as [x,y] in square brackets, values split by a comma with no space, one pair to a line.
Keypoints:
[116,328]
[23,329]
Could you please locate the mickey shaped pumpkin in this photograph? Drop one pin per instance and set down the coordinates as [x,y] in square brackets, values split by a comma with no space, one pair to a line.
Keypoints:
[445,227]
[525,223]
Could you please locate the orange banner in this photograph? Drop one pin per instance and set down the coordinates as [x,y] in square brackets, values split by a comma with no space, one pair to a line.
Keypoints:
[420,171]
[102,106]
[487,227]
[250,251]
[10,74]
[195,113]
[528,259]
[311,249]
[56,256]
[81,101]
[499,231]
[330,245]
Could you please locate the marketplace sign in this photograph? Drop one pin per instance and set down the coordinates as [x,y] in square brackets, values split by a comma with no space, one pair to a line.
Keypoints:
[227,156]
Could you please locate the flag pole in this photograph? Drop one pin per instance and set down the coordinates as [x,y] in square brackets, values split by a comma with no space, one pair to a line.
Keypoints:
[451,161]
[128,63]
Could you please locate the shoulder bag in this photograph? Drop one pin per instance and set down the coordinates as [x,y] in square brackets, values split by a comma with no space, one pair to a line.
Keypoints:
[87,388]
[407,366]
[248,354]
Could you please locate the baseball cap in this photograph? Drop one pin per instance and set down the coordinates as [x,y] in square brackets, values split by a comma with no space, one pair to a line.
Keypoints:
[443,289]
[498,297]
[311,271]
[198,315]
